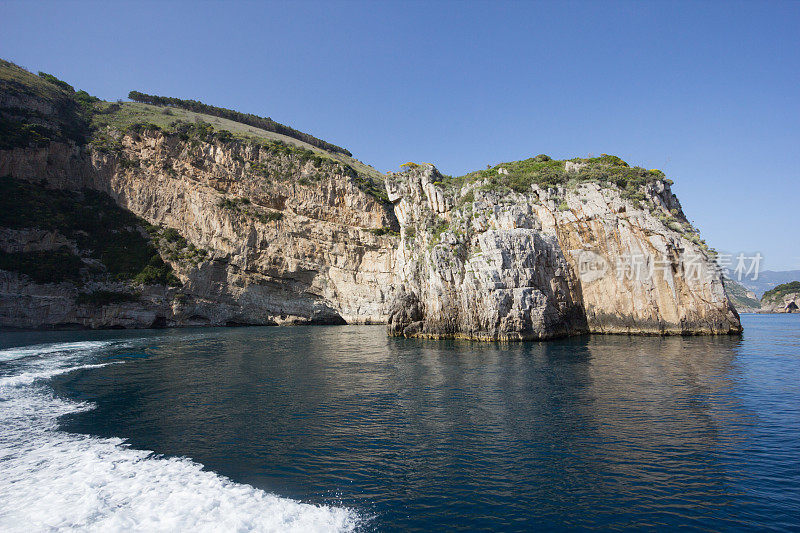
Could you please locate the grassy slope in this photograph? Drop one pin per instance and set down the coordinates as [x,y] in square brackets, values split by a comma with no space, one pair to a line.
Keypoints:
[39,111]
[72,119]
[546,172]
[128,113]
[12,76]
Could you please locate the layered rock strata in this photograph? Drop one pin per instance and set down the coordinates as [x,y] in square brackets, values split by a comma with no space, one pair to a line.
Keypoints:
[486,264]
[288,241]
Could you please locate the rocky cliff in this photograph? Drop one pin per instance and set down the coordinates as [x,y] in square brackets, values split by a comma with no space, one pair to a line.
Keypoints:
[742,299]
[784,298]
[130,215]
[480,260]
[286,240]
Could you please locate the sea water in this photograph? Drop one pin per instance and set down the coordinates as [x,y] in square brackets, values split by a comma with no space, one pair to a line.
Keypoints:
[342,428]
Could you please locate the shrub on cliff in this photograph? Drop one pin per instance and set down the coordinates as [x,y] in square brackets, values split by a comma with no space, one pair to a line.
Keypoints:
[55,81]
[157,272]
[383,231]
[14,133]
[519,176]
[271,216]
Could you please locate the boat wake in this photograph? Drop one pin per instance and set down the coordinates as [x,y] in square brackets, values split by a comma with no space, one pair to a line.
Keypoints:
[54,480]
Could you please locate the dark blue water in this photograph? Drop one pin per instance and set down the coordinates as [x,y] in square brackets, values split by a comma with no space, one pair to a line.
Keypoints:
[599,432]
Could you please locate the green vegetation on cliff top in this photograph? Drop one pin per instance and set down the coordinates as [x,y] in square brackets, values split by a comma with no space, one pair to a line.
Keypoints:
[777,294]
[541,170]
[263,123]
[608,171]
[132,115]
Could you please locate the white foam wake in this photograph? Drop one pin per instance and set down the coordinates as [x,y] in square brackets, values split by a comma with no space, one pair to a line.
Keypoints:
[41,350]
[53,480]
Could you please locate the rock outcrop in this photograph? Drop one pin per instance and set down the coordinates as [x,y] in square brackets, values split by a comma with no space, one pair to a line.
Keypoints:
[484,271]
[480,263]
[784,298]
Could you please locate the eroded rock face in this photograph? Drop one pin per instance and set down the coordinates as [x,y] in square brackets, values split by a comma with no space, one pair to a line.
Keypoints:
[495,276]
[786,303]
[483,264]
[294,240]
[288,240]
[655,279]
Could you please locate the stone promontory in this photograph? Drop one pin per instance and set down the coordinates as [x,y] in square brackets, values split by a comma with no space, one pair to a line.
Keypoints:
[480,260]
[138,215]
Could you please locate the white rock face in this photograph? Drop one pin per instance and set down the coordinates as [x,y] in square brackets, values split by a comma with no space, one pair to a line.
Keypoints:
[572,166]
[507,266]
[309,245]
[501,279]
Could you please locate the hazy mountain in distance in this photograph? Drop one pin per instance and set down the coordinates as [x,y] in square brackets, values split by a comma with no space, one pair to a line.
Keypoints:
[767,279]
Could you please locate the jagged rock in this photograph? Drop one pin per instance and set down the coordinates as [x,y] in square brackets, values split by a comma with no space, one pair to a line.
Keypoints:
[507,265]
[405,313]
[504,280]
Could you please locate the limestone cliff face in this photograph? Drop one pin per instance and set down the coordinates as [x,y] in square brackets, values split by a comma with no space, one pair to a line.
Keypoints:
[485,271]
[289,240]
[484,264]
[298,240]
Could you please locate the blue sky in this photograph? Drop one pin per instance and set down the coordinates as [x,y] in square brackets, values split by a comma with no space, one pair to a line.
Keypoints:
[707,91]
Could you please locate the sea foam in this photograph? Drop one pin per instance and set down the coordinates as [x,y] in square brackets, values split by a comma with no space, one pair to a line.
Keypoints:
[53,480]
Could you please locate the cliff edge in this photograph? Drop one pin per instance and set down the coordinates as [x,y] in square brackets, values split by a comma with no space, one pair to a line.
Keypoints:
[540,248]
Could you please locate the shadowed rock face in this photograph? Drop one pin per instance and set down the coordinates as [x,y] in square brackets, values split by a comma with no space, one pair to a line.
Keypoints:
[474,263]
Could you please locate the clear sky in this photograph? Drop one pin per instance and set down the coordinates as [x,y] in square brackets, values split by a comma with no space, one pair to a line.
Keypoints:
[707,91]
